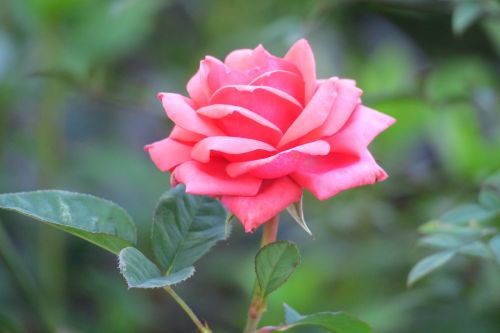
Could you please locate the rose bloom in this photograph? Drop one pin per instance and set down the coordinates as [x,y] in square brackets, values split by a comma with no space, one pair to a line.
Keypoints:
[256,130]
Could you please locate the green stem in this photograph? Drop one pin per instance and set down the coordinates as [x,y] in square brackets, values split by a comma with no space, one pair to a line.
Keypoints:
[258,304]
[24,281]
[202,328]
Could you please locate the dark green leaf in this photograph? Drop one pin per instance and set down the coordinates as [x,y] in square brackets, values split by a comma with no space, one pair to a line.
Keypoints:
[140,272]
[96,220]
[465,14]
[428,264]
[296,210]
[274,263]
[185,227]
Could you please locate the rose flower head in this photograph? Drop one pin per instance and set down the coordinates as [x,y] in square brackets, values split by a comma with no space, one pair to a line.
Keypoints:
[256,130]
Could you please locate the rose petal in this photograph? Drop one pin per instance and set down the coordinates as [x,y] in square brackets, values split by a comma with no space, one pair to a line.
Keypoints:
[273,104]
[275,195]
[257,61]
[180,134]
[168,153]
[301,55]
[212,75]
[233,149]
[288,82]
[211,179]
[240,122]
[315,113]
[346,101]
[183,115]
[361,128]
[329,175]
[280,164]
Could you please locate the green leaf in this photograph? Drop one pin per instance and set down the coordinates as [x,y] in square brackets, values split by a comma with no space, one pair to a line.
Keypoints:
[274,263]
[467,214]
[476,249]
[495,247]
[291,315]
[337,322]
[185,227]
[96,220]
[296,210]
[428,264]
[490,192]
[140,272]
[465,14]
[442,241]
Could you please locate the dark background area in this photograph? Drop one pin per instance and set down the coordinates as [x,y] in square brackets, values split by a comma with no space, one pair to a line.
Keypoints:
[78,80]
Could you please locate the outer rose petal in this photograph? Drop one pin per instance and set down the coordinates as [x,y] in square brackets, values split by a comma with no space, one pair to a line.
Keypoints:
[346,101]
[329,175]
[183,115]
[180,134]
[257,61]
[274,196]
[314,114]
[280,164]
[273,104]
[168,153]
[301,55]
[211,179]
[240,122]
[288,82]
[361,128]
[233,149]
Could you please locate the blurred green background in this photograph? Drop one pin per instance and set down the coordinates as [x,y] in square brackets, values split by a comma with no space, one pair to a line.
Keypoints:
[78,80]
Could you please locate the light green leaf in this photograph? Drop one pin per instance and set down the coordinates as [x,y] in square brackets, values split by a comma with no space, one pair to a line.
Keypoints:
[96,220]
[465,14]
[495,247]
[476,249]
[296,210]
[428,264]
[467,214]
[185,227]
[490,192]
[274,263]
[291,315]
[337,322]
[140,272]
[443,241]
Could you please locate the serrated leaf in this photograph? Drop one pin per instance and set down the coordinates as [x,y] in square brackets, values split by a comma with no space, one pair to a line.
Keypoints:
[274,263]
[337,322]
[185,227]
[94,219]
[296,211]
[140,272]
[495,247]
[428,265]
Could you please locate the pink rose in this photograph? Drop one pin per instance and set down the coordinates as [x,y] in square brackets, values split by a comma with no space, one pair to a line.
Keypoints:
[258,129]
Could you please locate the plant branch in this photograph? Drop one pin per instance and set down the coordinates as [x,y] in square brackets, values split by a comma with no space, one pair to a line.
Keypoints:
[202,328]
[258,303]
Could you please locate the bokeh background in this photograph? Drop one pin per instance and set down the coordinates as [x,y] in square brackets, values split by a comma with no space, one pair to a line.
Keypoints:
[78,80]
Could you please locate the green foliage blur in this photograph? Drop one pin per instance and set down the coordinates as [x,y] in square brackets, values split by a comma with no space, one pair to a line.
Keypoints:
[78,80]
